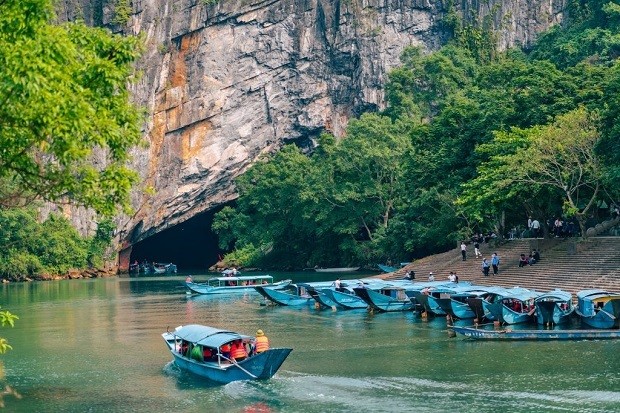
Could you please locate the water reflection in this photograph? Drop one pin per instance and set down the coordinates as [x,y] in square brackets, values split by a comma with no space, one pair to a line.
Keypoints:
[95,345]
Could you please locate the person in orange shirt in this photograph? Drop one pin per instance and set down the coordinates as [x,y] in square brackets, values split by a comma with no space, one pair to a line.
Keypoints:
[238,351]
[225,350]
[262,342]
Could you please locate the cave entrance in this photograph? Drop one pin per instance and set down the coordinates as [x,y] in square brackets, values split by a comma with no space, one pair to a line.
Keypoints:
[191,245]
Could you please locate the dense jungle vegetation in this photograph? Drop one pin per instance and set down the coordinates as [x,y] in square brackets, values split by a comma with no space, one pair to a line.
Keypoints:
[66,126]
[472,140]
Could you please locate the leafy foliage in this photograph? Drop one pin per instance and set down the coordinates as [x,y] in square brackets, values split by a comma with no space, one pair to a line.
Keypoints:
[472,140]
[6,319]
[52,246]
[66,122]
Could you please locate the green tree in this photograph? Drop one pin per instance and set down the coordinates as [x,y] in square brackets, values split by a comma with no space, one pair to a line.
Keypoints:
[66,120]
[559,156]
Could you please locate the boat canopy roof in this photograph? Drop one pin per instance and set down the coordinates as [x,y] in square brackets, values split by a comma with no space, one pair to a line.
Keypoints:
[557,294]
[243,278]
[593,294]
[522,294]
[206,336]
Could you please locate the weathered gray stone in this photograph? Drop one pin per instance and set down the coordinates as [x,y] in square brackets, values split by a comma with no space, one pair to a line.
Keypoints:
[225,83]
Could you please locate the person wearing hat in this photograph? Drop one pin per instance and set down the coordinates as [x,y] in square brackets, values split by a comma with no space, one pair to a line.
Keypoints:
[431,277]
[262,342]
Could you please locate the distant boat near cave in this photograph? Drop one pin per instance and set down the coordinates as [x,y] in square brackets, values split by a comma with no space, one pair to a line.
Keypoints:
[337,269]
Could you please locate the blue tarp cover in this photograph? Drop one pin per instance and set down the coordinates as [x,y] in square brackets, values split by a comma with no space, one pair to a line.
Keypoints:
[206,336]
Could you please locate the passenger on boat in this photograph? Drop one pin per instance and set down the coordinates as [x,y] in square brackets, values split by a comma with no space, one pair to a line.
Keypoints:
[262,342]
[336,284]
[189,279]
[207,354]
[197,353]
[183,348]
[238,351]
[225,350]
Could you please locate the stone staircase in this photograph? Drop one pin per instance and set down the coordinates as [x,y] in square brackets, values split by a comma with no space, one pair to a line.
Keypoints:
[569,264]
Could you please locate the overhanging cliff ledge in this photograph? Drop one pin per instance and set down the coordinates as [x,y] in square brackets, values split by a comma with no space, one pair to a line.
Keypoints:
[224,83]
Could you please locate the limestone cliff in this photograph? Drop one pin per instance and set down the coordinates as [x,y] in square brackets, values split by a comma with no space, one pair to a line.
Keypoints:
[226,82]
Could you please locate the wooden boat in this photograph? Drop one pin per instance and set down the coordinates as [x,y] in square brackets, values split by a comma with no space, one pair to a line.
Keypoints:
[508,334]
[554,307]
[241,284]
[456,303]
[386,268]
[427,298]
[390,297]
[291,295]
[598,308]
[480,305]
[231,272]
[162,268]
[346,298]
[390,268]
[188,344]
[337,269]
[387,299]
[515,307]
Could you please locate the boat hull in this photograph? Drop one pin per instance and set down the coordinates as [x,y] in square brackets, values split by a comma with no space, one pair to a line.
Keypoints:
[199,288]
[339,269]
[382,302]
[549,312]
[259,367]
[542,335]
[345,300]
[282,297]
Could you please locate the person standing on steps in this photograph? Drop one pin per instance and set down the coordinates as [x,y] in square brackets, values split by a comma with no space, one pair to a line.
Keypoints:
[464,250]
[477,249]
[495,263]
[485,267]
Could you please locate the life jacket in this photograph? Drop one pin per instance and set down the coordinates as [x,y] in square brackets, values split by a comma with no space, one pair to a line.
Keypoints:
[262,344]
[238,351]
[225,349]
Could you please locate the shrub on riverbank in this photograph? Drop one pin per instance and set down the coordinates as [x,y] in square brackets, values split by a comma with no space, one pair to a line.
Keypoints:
[30,248]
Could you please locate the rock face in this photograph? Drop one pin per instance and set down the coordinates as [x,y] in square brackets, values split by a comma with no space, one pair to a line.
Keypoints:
[226,82]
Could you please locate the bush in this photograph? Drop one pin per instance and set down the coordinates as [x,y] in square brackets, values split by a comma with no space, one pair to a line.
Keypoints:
[29,247]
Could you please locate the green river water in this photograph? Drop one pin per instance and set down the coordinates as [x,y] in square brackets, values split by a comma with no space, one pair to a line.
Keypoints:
[96,346]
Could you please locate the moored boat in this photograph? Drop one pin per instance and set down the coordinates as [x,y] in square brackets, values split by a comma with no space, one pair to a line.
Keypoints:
[386,268]
[292,295]
[337,269]
[241,284]
[599,308]
[197,349]
[517,306]
[164,268]
[428,297]
[456,303]
[554,307]
[542,335]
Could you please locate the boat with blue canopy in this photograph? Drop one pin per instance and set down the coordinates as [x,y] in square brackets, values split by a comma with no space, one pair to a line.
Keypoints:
[393,296]
[428,298]
[198,349]
[598,308]
[293,295]
[456,303]
[480,305]
[517,306]
[240,284]
[478,333]
[345,297]
[554,307]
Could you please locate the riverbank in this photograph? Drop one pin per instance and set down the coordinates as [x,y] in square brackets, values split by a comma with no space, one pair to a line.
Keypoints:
[74,274]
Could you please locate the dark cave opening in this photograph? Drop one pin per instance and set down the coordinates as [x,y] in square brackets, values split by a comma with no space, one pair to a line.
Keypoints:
[191,245]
